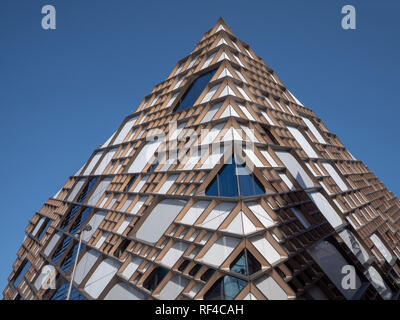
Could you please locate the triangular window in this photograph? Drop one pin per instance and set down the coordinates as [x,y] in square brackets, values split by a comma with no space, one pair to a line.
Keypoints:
[194,91]
[245,264]
[233,180]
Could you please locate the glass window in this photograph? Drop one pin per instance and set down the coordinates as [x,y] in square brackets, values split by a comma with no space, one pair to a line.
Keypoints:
[69,216]
[234,179]
[121,248]
[86,190]
[70,257]
[225,288]
[62,247]
[62,291]
[43,228]
[245,264]
[207,275]
[80,220]
[129,185]
[155,277]
[25,265]
[194,91]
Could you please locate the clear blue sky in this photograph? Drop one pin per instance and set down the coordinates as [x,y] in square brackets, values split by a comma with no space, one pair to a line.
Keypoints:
[64,92]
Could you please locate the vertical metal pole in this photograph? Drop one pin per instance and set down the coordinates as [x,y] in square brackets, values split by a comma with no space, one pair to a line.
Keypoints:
[76,260]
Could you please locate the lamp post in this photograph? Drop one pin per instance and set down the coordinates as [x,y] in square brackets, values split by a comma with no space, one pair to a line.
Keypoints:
[86,228]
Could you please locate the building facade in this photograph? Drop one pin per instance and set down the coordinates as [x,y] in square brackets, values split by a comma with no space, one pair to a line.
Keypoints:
[222,185]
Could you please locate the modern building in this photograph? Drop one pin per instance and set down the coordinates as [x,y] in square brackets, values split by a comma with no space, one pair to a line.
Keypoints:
[222,185]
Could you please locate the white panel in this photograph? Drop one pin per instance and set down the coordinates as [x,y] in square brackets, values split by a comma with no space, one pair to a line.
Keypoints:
[267,118]
[124,291]
[266,249]
[295,169]
[124,225]
[85,264]
[261,214]
[167,184]
[132,267]
[243,93]
[314,130]
[297,101]
[194,158]
[76,189]
[173,288]
[101,277]
[246,112]
[217,215]
[193,62]
[332,172]
[174,135]
[108,141]
[250,133]
[220,250]
[271,289]
[94,222]
[144,156]
[267,156]
[241,225]
[253,157]
[138,205]
[302,142]
[212,134]
[287,181]
[106,160]
[52,243]
[171,101]
[101,188]
[124,131]
[332,263]
[326,209]
[92,163]
[382,248]
[173,254]
[210,93]
[194,212]
[210,113]
[101,240]
[140,184]
[159,220]
[38,225]
[229,112]
[213,158]
[208,61]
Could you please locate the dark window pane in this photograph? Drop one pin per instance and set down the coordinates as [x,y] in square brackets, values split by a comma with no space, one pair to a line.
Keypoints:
[216,292]
[194,91]
[121,248]
[183,265]
[61,248]
[80,220]
[21,272]
[194,270]
[212,189]
[62,291]
[43,228]
[129,185]
[155,277]
[70,258]
[245,264]
[207,275]
[70,215]
[232,286]
[227,181]
[86,190]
